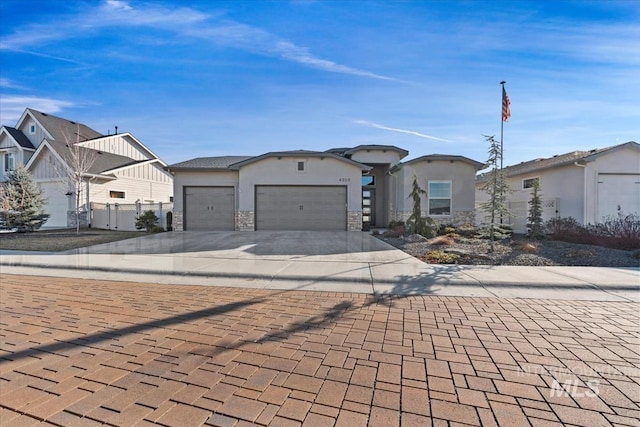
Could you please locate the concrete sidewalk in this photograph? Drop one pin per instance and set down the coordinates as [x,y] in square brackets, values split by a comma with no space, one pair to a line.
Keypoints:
[362,264]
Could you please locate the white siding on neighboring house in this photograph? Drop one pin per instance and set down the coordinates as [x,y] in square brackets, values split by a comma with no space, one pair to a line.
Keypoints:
[142,183]
[122,144]
[35,138]
[47,166]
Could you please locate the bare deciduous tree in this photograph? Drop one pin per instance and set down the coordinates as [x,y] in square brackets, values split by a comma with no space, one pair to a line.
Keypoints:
[75,172]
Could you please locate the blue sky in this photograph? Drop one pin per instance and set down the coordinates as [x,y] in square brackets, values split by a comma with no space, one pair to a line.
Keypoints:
[212,78]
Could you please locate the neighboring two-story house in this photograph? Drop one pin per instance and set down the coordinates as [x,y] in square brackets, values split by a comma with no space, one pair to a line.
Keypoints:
[122,170]
[589,186]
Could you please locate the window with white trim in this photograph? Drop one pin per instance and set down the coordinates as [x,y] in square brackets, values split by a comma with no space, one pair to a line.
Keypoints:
[301,166]
[9,162]
[116,194]
[439,197]
[32,128]
[529,182]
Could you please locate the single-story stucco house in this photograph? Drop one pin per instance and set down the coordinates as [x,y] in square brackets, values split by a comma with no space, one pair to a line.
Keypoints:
[337,189]
[589,186]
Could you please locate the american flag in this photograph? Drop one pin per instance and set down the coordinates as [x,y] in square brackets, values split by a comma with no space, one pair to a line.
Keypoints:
[506,110]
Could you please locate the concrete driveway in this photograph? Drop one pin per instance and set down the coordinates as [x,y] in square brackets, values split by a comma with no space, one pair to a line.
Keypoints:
[320,261]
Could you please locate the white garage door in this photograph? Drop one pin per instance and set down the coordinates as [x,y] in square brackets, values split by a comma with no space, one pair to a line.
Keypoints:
[616,190]
[57,204]
[301,208]
[209,208]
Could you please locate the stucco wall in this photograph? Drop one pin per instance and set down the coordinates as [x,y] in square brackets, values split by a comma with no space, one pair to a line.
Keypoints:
[183,179]
[390,157]
[461,175]
[283,171]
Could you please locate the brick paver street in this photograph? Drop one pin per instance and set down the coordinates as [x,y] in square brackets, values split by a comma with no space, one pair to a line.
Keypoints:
[82,352]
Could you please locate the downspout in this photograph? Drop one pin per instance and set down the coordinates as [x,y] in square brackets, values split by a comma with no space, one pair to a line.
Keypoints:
[584,191]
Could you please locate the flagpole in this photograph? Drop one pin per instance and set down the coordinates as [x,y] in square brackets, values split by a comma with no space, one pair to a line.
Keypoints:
[502,83]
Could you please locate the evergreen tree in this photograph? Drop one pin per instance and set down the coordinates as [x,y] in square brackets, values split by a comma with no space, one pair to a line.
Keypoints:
[417,224]
[23,206]
[497,188]
[148,220]
[535,224]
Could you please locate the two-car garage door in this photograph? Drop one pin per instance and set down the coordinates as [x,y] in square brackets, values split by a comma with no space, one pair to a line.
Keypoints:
[301,207]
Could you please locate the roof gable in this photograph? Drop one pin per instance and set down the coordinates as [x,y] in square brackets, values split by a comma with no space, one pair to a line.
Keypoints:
[403,153]
[443,157]
[19,138]
[301,154]
[58,128]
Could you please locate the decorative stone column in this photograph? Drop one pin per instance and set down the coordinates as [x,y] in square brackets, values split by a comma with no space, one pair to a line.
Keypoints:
[245,221]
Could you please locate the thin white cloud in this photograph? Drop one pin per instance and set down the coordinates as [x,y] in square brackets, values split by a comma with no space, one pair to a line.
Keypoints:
[12,107]
[116,4]
[9,84]
[182,22]
[409,132]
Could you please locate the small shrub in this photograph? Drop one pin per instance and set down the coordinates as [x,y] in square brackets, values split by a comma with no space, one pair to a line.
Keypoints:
[155,229]
[441,257]
[148,220]
[392,233]
[442,241]
[620,232]
[467,230]
[499,231]
[375,232]
[394,224]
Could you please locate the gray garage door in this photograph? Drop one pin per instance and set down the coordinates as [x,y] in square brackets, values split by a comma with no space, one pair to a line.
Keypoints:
[209,208]
[301,208]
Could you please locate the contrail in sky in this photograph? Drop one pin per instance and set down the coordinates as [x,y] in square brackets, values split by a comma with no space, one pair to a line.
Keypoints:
[410,132]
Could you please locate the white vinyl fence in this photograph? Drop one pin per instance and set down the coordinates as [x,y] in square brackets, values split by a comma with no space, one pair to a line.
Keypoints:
[123,216]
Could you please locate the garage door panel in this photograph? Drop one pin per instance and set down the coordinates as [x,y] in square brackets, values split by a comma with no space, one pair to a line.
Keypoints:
[301,208]
[209,208]
[618,190]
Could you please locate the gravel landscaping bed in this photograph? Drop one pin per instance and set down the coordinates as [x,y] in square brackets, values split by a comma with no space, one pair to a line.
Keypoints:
[515,251]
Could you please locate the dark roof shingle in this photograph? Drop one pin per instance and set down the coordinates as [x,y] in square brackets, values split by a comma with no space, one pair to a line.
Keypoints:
[222,162]
[20,137]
